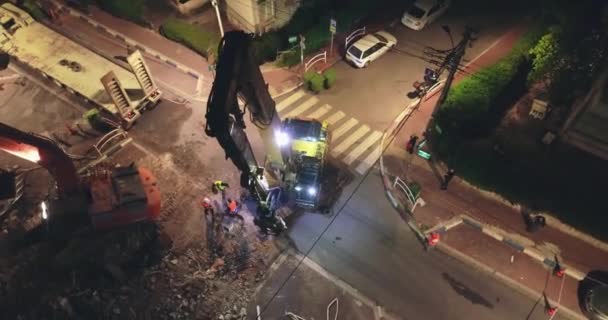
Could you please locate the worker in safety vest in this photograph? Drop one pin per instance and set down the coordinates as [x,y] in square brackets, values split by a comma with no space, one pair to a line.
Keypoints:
[219,186]
[232,206]
[207,206]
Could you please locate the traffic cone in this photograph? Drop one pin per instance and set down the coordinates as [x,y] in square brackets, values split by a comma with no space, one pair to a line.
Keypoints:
[433,239]
[559,271]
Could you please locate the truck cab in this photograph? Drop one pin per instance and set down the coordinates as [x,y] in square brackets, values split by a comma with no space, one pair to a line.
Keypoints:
[308,142]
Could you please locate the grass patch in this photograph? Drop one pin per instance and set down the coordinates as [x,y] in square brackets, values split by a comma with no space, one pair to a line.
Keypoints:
[194,37]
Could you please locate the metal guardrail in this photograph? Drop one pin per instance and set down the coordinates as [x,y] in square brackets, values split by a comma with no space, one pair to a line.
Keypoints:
[353,35]
[318,58]
[106,139]
[408,193]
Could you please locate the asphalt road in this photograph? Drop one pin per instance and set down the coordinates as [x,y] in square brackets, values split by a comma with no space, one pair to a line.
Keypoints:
[369,247]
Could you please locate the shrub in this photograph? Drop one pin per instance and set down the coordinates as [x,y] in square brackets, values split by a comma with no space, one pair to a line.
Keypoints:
[34,10]
[290,58]
[197,39]
[315,82]
[131,10]
[330,78]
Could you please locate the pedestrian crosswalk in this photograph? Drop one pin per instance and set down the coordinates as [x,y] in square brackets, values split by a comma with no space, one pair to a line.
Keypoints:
[352,142]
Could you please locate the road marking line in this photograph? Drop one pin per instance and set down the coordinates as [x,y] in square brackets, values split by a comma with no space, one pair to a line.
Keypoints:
[344,286]
[302,107]
[369,160]
[289,100]
[335,117]
[335,134]
[354,137]
[317,114]
[358,151]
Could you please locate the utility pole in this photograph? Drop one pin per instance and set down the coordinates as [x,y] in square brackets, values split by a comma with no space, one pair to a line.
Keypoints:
[302,48]
[219,18]
[451,62]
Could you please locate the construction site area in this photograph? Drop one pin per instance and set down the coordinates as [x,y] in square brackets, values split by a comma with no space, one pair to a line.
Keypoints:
[110,207]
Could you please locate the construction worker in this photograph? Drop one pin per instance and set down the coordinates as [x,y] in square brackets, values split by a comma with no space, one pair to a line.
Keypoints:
[219,186]
[207,206]
[231,206]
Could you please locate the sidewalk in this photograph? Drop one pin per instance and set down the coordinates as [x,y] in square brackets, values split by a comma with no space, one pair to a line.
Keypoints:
[461,198]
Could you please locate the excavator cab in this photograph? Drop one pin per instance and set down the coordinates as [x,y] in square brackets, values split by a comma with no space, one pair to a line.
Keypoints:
[121,196]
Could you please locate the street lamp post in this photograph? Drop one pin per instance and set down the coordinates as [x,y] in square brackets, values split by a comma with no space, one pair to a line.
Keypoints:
[302,48]
[219,18]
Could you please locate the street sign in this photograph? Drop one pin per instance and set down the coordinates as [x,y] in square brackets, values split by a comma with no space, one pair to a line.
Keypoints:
[424,154]
[332,25]
[293,39]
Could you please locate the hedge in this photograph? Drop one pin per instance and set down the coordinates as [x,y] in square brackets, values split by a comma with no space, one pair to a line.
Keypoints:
[202,41]
[131,10]
[314,81]
[330,78]
[523,175]
[476,104]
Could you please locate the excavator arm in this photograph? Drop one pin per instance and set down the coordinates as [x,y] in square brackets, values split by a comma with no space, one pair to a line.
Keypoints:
[45,152]
[238,75]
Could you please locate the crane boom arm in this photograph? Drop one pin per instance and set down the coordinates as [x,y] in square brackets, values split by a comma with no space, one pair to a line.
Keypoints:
[238,73]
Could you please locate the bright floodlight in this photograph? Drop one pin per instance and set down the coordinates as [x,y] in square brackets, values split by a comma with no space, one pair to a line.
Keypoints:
[44,212]
[312,191]
[282,138]
[298,188]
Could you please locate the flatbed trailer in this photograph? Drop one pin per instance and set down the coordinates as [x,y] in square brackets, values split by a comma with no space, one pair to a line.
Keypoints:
[106,85]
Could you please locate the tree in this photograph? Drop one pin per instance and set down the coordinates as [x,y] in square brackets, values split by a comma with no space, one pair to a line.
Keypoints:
[570,55]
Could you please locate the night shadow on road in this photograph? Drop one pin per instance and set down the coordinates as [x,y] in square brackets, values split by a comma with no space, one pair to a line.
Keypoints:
[467,292]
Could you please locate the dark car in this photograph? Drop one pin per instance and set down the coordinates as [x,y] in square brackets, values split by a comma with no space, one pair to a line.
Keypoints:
[596,302]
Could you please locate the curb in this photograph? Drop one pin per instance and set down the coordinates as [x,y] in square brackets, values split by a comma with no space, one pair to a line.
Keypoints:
[504,279]
[499,235]
[131,42]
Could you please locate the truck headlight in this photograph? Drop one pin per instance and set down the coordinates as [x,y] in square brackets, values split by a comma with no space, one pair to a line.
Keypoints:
[282,138]
[45,214]
[312,191]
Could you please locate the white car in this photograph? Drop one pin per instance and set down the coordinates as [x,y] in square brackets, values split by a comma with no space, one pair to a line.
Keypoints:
[424,12]
[370,48]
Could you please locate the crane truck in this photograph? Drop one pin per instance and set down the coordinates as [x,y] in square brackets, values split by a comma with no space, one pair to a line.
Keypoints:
[286,169]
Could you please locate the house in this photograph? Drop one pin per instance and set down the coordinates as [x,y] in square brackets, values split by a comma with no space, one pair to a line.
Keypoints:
[259,16]
[587,125]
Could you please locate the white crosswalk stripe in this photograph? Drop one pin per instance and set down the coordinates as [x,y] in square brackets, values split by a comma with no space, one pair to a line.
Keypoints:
[369,160]
[360,149]
[352,138]
[302,107]
[340,131]
[317,114]
[335,117]
[290,100]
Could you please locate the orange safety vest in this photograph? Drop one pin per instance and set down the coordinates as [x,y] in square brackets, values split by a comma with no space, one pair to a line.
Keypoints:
[232,206]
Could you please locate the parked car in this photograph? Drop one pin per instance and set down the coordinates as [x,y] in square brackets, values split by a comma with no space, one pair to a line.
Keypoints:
[370,48]
[596,302]
[424,12]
